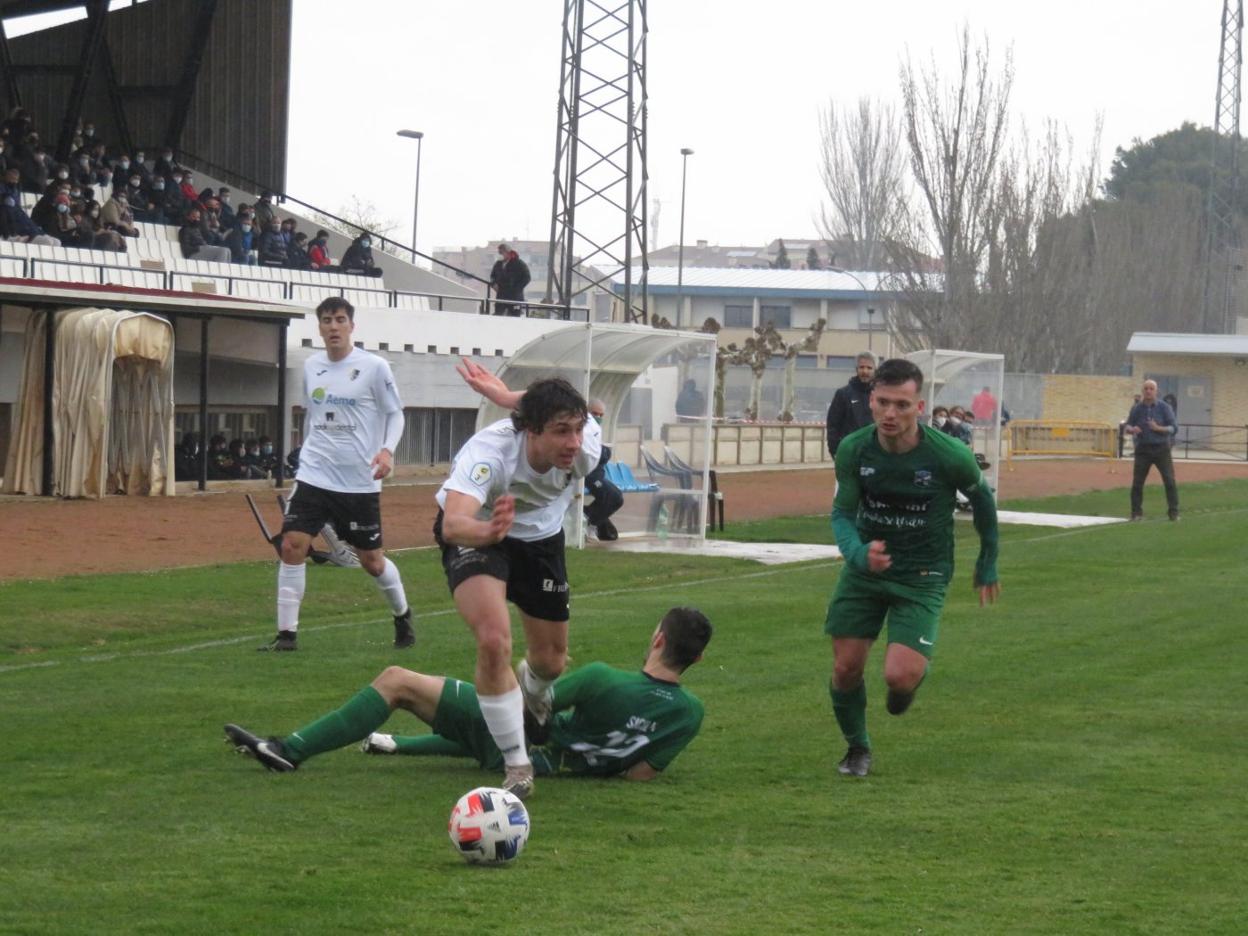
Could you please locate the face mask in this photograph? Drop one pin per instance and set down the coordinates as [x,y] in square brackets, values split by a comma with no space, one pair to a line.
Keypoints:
[63,174]
[84,162]
[940,422]
[124,164]
[75,193]
[90,131]
[158,186]
[62,209]
[95,212]
[134,183]
[954,421]
[168,156]
[225,199]
[138,157]
[177,180]
[267,450]
[366,244]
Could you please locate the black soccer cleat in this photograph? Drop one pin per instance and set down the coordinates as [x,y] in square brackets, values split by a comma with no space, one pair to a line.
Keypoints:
[607,533]
[856,762]
[897,702]
[285,640]
[404,636]
[268,751]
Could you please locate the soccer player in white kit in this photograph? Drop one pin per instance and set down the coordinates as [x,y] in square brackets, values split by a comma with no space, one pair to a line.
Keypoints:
[353,421]
[501,531]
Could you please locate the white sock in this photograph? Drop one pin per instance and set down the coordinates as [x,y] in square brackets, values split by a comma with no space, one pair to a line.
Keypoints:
[291,580]
[504,716]
[391,586]
[534,685]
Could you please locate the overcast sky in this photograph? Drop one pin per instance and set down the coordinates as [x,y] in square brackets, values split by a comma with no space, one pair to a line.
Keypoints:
[742,83]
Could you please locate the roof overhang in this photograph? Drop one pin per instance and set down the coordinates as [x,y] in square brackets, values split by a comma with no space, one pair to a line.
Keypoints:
[39,293]
[1179,343]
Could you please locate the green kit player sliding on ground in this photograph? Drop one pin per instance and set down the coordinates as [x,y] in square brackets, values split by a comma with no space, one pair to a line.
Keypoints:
[607,721]
[897,482]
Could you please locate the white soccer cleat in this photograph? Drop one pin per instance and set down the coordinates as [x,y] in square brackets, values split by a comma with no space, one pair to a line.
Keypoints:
[378,743]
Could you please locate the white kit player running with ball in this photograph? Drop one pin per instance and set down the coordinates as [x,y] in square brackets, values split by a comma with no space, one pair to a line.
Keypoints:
[353,421]
[501,531]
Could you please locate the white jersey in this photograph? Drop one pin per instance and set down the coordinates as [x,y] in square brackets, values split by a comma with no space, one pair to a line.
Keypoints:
[494,462]
[347,404]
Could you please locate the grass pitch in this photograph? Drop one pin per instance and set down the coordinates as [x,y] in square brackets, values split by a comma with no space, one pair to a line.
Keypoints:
[1074,763]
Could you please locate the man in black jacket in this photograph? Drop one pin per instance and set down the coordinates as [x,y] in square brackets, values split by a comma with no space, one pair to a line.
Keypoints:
[511,292]
[851,407]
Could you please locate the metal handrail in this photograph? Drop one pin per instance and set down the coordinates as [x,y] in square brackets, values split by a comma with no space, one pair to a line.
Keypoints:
[1186,443]
[230,174]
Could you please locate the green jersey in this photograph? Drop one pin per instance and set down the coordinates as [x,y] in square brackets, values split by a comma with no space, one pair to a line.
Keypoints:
[907,500]
[606,720]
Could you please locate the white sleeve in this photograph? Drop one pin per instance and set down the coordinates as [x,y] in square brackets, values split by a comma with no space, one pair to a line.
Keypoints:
[477,472]
[591,449]
[387,392]
[394,430]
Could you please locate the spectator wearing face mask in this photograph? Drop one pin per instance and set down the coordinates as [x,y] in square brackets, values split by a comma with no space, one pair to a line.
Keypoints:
[15,224]
[288,231]
[80,169]
[188,187]
[61,225]
[91,227]
[186,458]
[359,257]
[272,246]
[253,460]
[264,211]
[297,253]
[268,460]
[117,215]
[195,242]
[138,165]
[241,467]
[959,426]
[143,201]
[121,168]
[318,252]
[228,218]
[165,166]
[29,158]
[241,242]
[940,417]
[172,202]
[103,181]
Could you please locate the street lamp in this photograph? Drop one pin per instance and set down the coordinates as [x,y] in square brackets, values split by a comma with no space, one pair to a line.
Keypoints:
[416,135]
[870,310]
[685,153]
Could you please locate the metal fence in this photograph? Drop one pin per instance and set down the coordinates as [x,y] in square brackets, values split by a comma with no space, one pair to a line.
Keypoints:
[1199,441]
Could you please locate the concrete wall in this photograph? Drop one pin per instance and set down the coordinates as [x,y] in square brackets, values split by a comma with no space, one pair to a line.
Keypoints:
[1229,379]
[1088,398]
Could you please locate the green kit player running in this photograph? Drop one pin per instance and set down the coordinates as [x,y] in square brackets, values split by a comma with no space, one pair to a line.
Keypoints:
[897,482]
[607,721]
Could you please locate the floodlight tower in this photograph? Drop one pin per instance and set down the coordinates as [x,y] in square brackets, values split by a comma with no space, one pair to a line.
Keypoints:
[598,217]
[1222,257]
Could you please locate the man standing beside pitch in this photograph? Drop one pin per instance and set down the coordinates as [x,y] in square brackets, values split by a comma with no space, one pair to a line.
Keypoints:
[501,531]
[1153,424]
[850,409]
[353,422]
[893,516]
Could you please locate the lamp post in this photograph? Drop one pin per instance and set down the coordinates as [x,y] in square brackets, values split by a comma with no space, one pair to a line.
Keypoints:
[685,153]
[418,136]
[870,310]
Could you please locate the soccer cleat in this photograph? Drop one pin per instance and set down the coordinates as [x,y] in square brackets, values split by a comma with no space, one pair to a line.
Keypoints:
[1136,517]
[270,752]
[1174,515]
[378,743]
[607,532]
[856,762]
[897,702]
[539,706]
[404,636]
[285,640]
[518,781]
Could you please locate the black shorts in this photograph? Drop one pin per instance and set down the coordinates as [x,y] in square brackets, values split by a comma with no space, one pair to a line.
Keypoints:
[536,573]
[356,517]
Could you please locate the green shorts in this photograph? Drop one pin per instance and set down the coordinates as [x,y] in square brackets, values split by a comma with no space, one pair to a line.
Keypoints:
[862,601]
[459,719]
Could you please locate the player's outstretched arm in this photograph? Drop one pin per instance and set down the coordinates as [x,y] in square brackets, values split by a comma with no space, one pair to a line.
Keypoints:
[488,384]
[460,526]
[984,505]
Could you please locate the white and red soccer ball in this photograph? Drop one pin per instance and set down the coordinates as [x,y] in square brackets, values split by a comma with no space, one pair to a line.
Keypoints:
[489,826]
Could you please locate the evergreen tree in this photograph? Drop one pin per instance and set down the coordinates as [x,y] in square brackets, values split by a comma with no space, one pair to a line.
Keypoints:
[812,259]
[782,258]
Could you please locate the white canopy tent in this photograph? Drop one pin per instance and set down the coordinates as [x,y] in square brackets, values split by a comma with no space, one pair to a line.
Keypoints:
[954,378]
[609,362]
[112,406]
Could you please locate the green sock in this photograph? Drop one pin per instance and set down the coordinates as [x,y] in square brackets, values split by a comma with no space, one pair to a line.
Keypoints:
[430,745]
[363,713]
[850,708]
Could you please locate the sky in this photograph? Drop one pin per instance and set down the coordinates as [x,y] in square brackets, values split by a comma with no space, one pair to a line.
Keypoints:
[740,83]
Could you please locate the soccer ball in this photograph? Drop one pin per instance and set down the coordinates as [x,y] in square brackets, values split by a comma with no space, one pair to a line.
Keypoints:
[489,826]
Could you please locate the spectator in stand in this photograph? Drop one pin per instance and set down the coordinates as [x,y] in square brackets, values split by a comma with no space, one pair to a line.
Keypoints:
[165,166]
[117,216]
[254,460]
[140,167]
[515,278]
[99,155]
[268,460]
[121,168]
[212,218]
[297,253]
[984,407]
[272,247]
[318,252]
[228,218]
[241,242]
[220,465]
[29,158]
[90,226]
[60,172]
[496,276]
[15,224]
[80,171]
[958,426]
[264,210]
[18,126]
[173,203]
[195,242]
[288,232]
[103,181]
[186,459]
[239,467]
[188,187]
[142,201]
[60,223]
[359,257]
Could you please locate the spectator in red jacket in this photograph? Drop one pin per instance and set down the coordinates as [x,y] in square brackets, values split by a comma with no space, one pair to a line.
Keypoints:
[188,186]
[318,251]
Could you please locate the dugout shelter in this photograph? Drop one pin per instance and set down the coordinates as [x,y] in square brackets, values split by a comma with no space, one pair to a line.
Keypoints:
[660,440]
[955,378]
[94,366]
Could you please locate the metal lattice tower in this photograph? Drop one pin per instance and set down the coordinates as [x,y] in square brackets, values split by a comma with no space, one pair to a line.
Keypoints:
[598,220]
[1222,255]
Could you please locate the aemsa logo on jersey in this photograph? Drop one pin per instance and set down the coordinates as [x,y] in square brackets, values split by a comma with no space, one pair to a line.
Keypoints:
[480,474]
[319,395]
[865,471]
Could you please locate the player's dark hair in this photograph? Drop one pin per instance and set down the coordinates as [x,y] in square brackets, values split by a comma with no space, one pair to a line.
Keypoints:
[896,371]
[334,304]
[687,632]
[546,400]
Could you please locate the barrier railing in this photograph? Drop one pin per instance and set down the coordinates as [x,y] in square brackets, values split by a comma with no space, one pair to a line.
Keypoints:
[1196,441]
[1060,437]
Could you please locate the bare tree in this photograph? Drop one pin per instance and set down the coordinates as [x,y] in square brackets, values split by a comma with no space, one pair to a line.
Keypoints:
[955,130]
[360,216]
[862,166]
